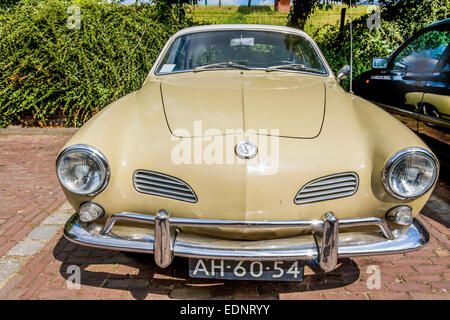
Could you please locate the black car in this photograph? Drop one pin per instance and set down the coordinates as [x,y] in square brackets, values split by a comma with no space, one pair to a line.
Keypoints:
[414,81]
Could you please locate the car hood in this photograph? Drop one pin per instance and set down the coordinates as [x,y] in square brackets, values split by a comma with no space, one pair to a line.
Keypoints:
[214,102]
[356,137]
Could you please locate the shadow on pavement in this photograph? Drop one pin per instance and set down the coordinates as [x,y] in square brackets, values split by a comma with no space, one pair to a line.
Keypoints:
[438,205]
[138,274]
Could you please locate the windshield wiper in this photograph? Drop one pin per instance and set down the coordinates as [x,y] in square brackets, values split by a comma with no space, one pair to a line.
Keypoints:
[220,65]
[294,67]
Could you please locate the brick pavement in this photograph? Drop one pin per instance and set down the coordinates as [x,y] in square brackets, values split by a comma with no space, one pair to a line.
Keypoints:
[105,274]
[29,189]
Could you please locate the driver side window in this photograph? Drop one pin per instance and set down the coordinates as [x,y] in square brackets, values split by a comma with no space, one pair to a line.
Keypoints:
[423,53]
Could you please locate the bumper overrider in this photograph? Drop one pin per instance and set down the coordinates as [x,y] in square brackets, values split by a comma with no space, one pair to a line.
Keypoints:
[325,243]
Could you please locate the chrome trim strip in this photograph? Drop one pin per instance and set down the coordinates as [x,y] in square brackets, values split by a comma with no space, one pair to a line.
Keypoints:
[76,232]
[328,186]
[96,152]
[405,240]
[147,173]
[398,155]
[298,224]
[414,115]
[295,248]
[164,244]
[126,216]
[163,185]
[298,250]
[370,221]
[333,186]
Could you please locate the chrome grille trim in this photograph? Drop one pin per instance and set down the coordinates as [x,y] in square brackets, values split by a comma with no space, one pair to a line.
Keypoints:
[329,187]
[163,185]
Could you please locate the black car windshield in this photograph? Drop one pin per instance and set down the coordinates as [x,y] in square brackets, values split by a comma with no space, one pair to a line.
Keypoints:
[239,49]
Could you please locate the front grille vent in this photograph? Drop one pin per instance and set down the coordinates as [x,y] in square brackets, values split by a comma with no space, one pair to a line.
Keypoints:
[158,184]
[330,187]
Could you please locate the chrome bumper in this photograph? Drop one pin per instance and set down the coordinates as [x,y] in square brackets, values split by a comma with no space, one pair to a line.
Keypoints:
[325,243]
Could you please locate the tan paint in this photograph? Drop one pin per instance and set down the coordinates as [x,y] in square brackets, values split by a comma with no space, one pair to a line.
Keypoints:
[439,101]
[183,107]
[284,101]
[262,99]
[355,136]
[414,98]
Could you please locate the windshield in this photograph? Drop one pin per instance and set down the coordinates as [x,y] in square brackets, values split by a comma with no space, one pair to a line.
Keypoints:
[212,50]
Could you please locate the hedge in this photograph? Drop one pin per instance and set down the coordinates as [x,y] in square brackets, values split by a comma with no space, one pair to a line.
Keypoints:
[54,75]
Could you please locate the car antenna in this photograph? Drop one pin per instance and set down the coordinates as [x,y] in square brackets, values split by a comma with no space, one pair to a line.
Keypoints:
[351,48]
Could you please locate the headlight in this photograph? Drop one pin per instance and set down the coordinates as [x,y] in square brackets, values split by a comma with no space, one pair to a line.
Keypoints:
[410,173]
[82,170]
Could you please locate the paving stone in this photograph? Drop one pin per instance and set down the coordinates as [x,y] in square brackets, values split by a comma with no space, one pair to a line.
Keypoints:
[66,207]
[439,206]
[57,218]
[442,253]
[26,248]
[43,232]
[8,266]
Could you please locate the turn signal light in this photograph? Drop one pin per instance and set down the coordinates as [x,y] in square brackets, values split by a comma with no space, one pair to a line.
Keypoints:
[90,211]
[401,215]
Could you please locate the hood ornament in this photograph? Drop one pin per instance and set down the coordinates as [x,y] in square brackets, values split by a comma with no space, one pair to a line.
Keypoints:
[246,150]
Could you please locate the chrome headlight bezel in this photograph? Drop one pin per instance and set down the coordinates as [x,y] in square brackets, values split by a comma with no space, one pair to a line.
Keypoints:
[396,158]
[94,153]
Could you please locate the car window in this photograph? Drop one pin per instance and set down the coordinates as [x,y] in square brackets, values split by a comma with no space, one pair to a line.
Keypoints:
[446,65]
[424,52]
[253,49]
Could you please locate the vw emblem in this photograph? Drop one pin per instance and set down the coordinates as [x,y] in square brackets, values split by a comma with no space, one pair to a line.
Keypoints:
[246,150]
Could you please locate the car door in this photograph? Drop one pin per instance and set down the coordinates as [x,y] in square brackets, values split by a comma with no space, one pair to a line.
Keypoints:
[400,84]
[412,68]
[414,84]
[416,79]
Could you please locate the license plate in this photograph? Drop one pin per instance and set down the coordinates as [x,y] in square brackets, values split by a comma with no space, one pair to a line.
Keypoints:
[246,270]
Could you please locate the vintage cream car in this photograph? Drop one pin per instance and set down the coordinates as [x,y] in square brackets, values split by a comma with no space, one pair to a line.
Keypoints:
[242,152]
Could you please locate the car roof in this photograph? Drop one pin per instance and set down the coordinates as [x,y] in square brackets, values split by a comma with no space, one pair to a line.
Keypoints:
[262,27]
[438,23]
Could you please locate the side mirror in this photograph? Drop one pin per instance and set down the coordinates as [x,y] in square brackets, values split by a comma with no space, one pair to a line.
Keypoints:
[344,72]
[379,63]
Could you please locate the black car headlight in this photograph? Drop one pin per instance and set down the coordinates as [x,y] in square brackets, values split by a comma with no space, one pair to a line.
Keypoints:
[83,170]
[410,173]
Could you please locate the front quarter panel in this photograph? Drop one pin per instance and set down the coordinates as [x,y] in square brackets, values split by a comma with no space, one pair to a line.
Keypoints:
[384,136]
[128,126]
